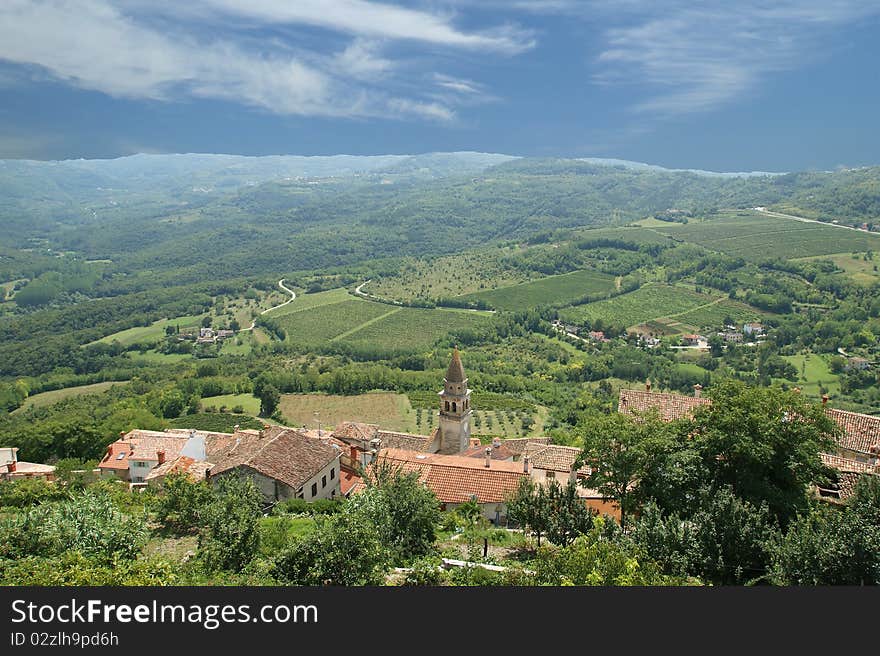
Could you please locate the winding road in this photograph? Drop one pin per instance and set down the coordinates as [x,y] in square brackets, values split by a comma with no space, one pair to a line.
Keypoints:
[275,307]
[803,219]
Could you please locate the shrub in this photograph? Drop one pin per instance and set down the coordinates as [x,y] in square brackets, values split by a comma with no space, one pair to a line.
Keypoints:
[230,535]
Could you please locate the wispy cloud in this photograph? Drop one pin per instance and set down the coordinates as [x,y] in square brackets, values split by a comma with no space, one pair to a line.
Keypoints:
[691,57]
[213,49]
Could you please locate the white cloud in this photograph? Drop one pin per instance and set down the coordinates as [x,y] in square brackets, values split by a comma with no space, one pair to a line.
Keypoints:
[376,20]
[210,49]
[692,57]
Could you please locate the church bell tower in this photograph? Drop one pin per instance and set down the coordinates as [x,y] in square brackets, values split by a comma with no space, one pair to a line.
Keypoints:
[455,409]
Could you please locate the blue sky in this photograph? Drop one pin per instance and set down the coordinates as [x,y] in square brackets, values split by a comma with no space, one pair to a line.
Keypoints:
[746,85]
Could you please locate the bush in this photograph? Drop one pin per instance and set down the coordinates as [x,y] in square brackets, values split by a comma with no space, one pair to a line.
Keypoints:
[181,503]
[24,492]
[230,537]
[343,551]
[87,523]
[426,571]
[303,507]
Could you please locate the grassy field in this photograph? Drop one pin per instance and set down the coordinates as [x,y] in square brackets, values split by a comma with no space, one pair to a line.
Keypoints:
[755,236]
[854,265]
[552,290]
[54,396]
[249,403]
[389,410]
[650,302]
[152,333]
[813,371]
[220,422]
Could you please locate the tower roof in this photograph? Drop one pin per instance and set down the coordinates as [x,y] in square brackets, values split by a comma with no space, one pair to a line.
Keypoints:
[455,372]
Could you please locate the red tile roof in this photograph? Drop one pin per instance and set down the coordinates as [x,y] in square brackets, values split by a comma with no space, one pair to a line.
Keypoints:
[554,457]
[455,479]
[518,445]
[860,431]
[283,454]
[670,406]
[846,464]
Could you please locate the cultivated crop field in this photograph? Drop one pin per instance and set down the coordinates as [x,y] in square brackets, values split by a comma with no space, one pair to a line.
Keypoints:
[713,316]
[857,266]
[388,410]
[652,301]
[552,290]
[321,323]
[405,330]
[309,301]
[756,237]
[248,403]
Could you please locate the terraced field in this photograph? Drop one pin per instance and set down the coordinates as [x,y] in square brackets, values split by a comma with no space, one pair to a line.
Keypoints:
[713,316]
[552,290]
[652,301]
[309,301]
[756,237]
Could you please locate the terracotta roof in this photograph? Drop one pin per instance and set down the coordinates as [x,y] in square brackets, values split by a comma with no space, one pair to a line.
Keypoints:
[455,479]
[408,441]
[860,431]
[182,464]
[283,454]
[554,457]
[116,456]
[498,452]
[348,480]
[455,372]
[518,445]
[354,430]
[670,406]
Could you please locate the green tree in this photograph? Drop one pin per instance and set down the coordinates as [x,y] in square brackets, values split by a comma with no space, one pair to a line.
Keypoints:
[569,515]
[764,444]
[404,513]
[530,508]
[834,546]
[617,450]
[230,536]
[182,502]
[344,550]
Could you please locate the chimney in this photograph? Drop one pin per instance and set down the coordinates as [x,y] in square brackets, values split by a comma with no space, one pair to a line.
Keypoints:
[10,467]
[488,457]
[796,390]
[496,442]
[825,399]
[573,474]
[698,391]
[236,428]
[525,464]
[121,435]
[160,456]
[648,385]
[354,456]
[131,447]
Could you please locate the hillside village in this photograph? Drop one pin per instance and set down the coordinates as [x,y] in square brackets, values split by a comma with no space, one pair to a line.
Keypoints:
[308,464]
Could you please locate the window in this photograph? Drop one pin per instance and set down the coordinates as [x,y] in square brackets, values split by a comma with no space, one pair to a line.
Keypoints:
[447,406]
[454,409]
[551,474]
[323,481]
[332,473]
[314,489]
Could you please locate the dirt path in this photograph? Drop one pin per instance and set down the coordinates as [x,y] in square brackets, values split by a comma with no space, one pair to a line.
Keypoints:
[274,307]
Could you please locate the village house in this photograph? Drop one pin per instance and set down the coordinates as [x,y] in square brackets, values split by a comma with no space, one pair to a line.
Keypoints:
[731,337]
[11,468]
[857,364]
[753,329]
[284,463]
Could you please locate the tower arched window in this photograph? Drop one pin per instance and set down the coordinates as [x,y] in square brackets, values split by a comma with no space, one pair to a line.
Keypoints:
[447,406]
[454,409]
